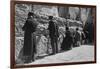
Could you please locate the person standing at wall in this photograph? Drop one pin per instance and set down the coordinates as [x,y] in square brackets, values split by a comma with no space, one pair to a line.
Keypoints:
[52,34]
[67,41]
[77,38]
[29,42]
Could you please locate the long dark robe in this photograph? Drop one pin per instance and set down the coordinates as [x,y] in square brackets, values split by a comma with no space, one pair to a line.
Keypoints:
[67,41]
[77,39]
[52,34]
[29,45]
[52,29]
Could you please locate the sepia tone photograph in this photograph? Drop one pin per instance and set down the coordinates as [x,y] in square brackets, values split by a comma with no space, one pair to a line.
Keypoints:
[47,33]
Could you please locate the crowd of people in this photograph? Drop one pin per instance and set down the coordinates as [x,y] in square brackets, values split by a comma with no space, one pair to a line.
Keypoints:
[29,48]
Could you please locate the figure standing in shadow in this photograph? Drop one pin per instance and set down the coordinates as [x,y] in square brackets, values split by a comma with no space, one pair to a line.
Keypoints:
[29,47]
[53,30]
[77,38]
[67,41]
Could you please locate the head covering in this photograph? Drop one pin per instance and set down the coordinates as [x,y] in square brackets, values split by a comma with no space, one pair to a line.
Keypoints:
[30,14]
[67,28]
[50,17]
[77,29]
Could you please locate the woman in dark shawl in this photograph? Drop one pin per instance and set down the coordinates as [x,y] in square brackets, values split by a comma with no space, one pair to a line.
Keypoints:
[67,41]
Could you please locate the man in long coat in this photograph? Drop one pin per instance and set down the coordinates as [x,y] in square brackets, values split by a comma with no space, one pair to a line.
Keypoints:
[77,38]
[53,35]
[29,43]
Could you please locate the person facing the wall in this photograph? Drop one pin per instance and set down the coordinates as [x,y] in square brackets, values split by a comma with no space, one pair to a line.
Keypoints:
[29,42]
[67,41]
[53,35]
[77,38]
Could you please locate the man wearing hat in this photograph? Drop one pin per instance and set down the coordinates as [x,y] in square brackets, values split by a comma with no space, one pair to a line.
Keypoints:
[52,34]
[29,42]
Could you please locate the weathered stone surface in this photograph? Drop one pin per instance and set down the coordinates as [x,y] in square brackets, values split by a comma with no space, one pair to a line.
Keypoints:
[41,18]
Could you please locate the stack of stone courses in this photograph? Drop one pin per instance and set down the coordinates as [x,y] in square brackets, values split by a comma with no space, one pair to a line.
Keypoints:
[61,15]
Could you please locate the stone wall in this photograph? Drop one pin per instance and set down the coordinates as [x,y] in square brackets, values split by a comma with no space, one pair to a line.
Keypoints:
[41,18]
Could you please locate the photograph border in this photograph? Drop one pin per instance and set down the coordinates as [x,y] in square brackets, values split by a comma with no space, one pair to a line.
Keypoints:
[12,33]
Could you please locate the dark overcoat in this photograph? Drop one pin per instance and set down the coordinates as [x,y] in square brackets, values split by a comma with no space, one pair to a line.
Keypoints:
[67,41]
[29,44]
[52,29]
[53,33]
